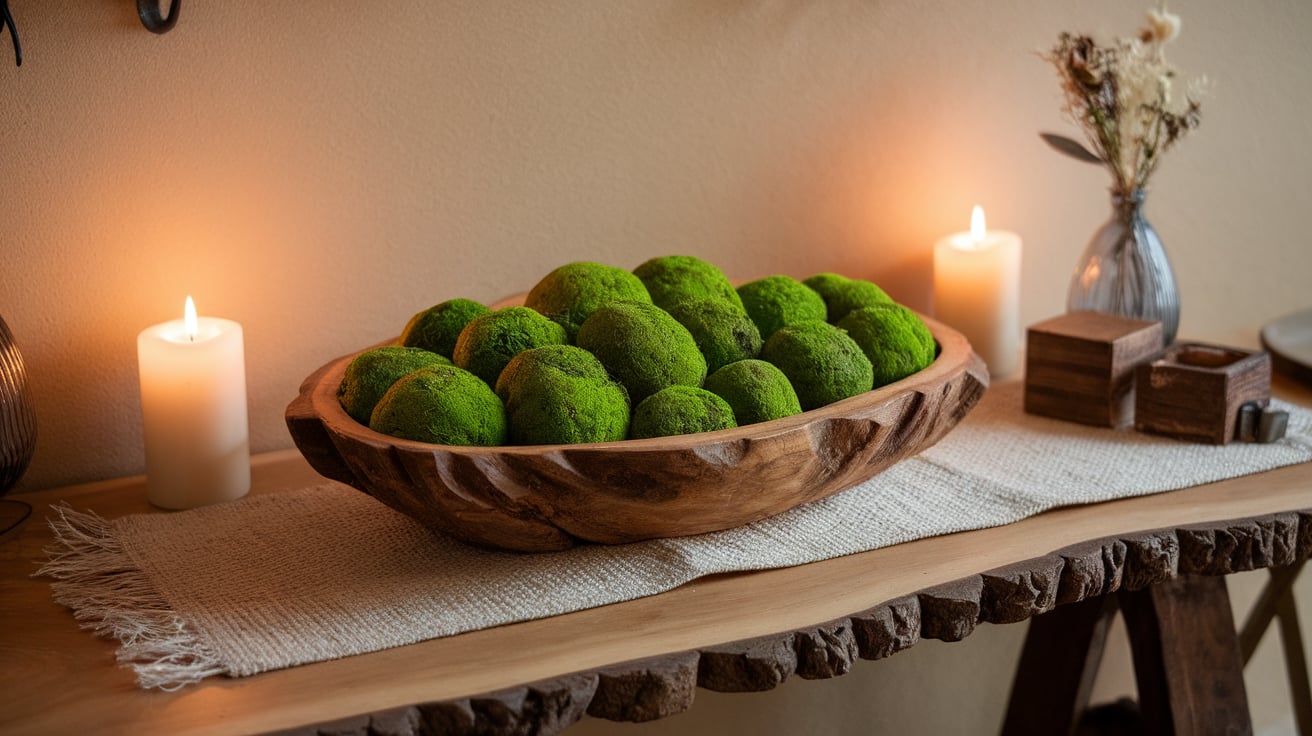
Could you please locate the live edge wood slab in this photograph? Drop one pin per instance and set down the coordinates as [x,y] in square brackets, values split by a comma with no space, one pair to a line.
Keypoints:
[643,659]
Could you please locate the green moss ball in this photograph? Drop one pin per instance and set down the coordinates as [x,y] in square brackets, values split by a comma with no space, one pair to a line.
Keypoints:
[778,301]
[444,405]
[758,391]
[561,394]
[680,410]
[643,347]
[895,340]
[571,293]
[842,295]
[436,328]
[674,279]
[371,373]
[488,343]
[723,332]
[822,362]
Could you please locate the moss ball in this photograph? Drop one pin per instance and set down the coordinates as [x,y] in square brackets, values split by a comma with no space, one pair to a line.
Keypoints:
[371,373]
[674,279]
[488,343]
[842,295]
[895,340]
[778,301]
[444,405]
[643,347]
[723,332]
[680,410]
[561,394]
[571,293]
[822,362]
[436,328]
[758,391]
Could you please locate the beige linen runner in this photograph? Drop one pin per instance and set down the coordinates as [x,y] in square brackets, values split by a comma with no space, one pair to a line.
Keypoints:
[319,573]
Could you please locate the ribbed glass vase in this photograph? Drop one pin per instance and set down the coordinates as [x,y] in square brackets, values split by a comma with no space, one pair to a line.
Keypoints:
[17,417]
[1125,270]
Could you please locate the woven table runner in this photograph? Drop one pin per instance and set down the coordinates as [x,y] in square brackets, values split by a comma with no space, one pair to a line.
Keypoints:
[318,573]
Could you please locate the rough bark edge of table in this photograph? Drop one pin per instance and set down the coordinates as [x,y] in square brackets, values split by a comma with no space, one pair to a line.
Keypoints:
[656,687]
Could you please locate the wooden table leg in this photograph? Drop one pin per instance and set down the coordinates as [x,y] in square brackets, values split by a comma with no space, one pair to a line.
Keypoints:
[1295,663]
[1264,610]
[1187,660]
[1057,667]
[1277,600]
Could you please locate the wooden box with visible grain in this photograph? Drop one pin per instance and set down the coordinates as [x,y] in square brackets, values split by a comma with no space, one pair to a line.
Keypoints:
[1195,392]
[1080,366]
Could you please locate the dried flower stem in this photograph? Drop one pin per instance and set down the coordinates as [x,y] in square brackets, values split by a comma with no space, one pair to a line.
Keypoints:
[1120,95]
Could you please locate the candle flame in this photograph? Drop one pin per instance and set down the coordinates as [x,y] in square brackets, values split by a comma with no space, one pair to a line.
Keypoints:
[189,325]
[977,230]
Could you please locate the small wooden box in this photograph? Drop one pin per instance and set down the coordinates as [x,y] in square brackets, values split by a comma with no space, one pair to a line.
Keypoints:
[1195,391]
[1080,366]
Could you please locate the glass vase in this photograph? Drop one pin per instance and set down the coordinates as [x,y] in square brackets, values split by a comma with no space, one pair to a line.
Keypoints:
[17,417]
[1125,271]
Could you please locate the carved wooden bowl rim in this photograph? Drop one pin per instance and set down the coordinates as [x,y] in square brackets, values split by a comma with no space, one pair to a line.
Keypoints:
[545,497]
[954,356]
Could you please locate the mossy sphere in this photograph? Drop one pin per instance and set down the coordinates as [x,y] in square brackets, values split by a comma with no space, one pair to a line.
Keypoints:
[673,279]
[822,362]
[678,410]
[643,347]
[437,328]
[371,373]
[571,293]
[778,301]
[842,295]
[895,340]
[443,405]
[488,343]
[561,394]
[723,332]
[758,391]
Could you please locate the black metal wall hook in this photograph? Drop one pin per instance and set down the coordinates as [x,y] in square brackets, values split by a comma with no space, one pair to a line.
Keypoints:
[151,18]
[8,20]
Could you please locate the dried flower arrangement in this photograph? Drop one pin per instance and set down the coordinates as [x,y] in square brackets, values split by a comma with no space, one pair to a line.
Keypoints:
[1122,96]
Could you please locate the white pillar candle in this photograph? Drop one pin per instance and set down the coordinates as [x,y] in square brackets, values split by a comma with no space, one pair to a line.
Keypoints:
[977,291]
[193,410]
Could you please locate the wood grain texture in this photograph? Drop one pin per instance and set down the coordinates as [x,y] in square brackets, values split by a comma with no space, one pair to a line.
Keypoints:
[61,679]
[1057,669]
[1152,557]
[1074,581]
[1080,366]
[1020,591]
[825,651]
[646,690]
[1194,391]
[545,498]
[747,666]
[1187,663]
[1091,569]
[887,629]
[950,611]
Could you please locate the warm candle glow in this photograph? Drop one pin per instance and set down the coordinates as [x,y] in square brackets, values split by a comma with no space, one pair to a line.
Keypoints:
[193,410]
[977,229]
[189,322]
[977,291]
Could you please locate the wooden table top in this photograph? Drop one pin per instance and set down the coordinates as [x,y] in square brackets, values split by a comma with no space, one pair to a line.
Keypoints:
[56,678]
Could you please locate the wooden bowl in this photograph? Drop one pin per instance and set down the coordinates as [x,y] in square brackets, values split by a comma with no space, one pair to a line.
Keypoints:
[551,497]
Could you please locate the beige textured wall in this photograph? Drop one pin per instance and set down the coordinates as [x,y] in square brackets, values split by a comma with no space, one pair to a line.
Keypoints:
[320,171]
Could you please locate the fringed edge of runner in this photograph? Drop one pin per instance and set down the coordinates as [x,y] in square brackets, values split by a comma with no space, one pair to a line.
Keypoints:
[96,578]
